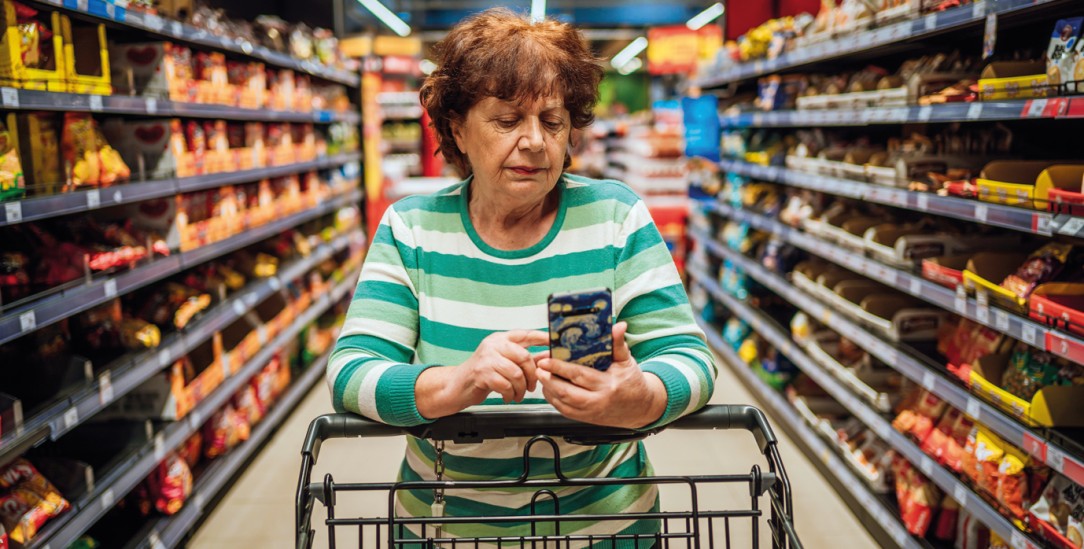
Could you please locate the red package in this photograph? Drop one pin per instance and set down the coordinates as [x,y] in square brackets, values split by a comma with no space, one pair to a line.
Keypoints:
[970,533]
[918,417]
[15,473]
[945,528]
[3,537]
[190,450]
[226,429]
[170,484]
[946,442]
[248,405]
[28,506]
[915,495]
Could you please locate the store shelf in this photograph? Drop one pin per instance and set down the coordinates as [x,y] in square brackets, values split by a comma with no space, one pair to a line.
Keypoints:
[906,31]
[44,207]
[171,531]
[35,100]
[781,411]
[120,480]
[988,213]
[979,111]
[129,372]
[944,478]
[1034,442]
[74,300]
[109,11]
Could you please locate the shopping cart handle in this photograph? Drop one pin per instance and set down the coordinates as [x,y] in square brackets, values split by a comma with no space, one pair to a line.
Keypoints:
[495,422]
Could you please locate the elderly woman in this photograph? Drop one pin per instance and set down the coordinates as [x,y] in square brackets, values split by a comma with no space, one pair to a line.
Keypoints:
[451,304]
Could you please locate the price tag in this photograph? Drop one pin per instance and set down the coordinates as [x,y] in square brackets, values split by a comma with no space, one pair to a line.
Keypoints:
[974,408]
[28,321]
[13,212]
[1072,227]
[81,5]
[152,105]
[931,22]
[105,388]
[261,333]
[1001,321]
[923,202]
[916,286]
[177,28]
[978,9]
[153,22]
[982,299]
[238,307]
[10,97]
[110,10]
[929,380]
[195,418]
[1029,335]
[924,113]
[926,465]
[71,418]
[1035,109]
[1055,458]
[94,199]
[95,102]
[111,287]
[154,541]
[974,111]
[227,360]
[960,303]
[107,499]
[164,358]
[159,446]
[959,493]
[981,212]
[276,285]
[200,500]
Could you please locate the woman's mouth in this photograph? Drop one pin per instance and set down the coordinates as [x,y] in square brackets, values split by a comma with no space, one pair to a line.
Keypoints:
[525,170]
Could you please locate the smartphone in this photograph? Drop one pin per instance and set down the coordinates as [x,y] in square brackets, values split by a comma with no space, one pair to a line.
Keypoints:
[581,327]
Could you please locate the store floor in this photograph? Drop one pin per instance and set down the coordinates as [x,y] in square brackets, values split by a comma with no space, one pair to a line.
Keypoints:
[259,509]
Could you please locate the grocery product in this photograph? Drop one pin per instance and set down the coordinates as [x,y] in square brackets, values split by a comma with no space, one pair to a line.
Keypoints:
[29,501]
[168,486]
[1041,266]
[1061,508]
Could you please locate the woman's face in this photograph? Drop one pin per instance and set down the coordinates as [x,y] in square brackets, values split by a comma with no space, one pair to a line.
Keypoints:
[515,149]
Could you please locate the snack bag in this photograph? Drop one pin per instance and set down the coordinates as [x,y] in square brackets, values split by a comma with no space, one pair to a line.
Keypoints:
[3,537]
[970,533]
[1041,266]
[1061,505]
[1012,482]
[225,430]
[30,504]
[988,451]
[946,442]
[1061,53]
[945,527]
[12,182]
[170,484]
[918,418]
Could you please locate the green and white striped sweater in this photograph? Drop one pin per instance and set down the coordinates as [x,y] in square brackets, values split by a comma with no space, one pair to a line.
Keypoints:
[432,289]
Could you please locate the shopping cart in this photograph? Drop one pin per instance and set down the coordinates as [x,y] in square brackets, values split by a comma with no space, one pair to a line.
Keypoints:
[694,527]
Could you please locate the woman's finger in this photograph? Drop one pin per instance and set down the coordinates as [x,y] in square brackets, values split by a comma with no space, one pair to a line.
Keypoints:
[528,338]
[577,374]
[621,347]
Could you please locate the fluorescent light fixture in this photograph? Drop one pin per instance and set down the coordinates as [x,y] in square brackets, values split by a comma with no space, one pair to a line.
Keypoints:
[632,50]
[427,67]
[386,16]
[706,16]
[630,67]
[538,10]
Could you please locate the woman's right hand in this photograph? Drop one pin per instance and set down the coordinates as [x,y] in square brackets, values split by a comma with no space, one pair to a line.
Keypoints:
[500,364]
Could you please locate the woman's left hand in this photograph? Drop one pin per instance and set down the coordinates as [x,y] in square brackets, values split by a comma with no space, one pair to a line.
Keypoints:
[622,396]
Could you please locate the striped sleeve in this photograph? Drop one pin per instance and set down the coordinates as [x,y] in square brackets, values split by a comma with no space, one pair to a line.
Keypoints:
[662,334]
[371,371]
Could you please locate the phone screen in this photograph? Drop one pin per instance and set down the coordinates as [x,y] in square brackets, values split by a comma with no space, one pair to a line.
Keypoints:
[581,328]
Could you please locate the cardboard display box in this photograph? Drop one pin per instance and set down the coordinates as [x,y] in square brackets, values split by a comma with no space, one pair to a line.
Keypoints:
[1055,406]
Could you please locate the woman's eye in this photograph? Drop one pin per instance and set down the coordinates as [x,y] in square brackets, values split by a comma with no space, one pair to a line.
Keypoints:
[554,124]
[506,122]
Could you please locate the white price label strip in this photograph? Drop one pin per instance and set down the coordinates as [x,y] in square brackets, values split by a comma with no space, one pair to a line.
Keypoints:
[974,111]
[1055,458]
[959,493]
[95,103]
[974,407]
[929,380]
[982,300]
[152,105]
[13,212]
[94,199]
[164,358]
[159,447]
[1029,335]
[10,97]
[111,287]
[1036,108]
[981,212]
[28,321]
[916,286]
[960,302]
[105,388]
[926,465]
[1019,541]
[1001,321]
[71,417]
[108,499]
[1073,226]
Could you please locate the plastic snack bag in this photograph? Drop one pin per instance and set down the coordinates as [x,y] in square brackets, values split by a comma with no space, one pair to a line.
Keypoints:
[30,504]
[1061,505]
[170,484]
[1041,266]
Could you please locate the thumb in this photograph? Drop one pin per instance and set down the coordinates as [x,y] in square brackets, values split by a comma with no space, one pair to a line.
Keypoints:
[621,348]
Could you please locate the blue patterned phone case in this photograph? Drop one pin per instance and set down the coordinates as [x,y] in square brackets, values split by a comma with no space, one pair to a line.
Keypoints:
[581,328]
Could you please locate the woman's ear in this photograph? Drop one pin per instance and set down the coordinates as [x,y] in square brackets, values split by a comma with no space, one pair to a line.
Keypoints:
[457,132]
[575,137]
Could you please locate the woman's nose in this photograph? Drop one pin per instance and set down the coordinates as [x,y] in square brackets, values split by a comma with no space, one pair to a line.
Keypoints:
[532,138]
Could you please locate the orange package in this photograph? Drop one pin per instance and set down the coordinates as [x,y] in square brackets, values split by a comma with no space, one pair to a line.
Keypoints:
[918,416]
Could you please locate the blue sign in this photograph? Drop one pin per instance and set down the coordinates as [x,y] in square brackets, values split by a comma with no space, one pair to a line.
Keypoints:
[702,129]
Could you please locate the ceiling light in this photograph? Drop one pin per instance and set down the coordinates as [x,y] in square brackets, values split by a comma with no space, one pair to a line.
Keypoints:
[632,50]
[427,67]
[630,67]
[538,10]
[386,16]
[706,16]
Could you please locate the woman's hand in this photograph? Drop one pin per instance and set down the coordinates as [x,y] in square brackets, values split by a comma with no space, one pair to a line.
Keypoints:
[622,396]
[500,364]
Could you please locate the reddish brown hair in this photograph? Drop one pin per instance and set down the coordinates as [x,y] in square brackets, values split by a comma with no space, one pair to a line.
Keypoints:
[499,53]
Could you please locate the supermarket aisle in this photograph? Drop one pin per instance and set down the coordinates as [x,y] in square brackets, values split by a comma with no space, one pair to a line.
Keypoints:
[259,509]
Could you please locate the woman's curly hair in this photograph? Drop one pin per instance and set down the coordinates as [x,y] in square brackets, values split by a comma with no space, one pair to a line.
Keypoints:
[500,53]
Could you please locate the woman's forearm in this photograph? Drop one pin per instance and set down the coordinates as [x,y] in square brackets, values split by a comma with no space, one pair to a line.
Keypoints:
[441,392]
